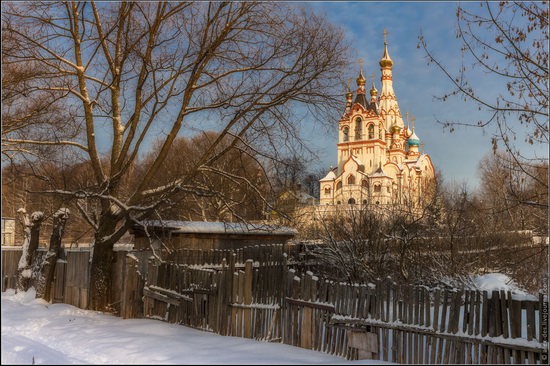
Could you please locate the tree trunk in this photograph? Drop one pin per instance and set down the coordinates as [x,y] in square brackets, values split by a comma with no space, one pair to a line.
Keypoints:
[102,265]
[30,244]
[47,270]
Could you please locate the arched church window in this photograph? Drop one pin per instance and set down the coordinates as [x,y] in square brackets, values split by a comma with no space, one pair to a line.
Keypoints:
[371,132]
[377,188]
[351,201]
[339,185]
[327,190]
[346,134]
[364,183]
[351,180]
[364,202]
[338,202]
[358,128]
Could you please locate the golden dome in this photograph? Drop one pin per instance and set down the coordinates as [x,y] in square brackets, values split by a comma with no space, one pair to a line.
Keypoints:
[395,129]
[386,61]
[373,90]
[361,79]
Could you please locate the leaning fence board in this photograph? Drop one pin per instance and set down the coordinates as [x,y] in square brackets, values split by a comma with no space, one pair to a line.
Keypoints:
[504,314]
[485,315]
[160,297]
[495,300]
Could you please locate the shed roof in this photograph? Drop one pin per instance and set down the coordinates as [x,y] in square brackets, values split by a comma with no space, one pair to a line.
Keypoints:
[203,227]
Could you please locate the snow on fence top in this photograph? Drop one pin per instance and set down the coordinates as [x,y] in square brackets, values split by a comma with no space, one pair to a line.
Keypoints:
[202,227]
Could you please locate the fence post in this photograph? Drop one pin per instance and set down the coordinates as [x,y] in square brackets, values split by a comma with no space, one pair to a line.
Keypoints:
[223,302]
[307,313]
[130,287]
[248,298]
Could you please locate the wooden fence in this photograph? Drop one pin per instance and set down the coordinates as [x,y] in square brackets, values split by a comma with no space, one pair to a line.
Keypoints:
[413,325]
[263,298]
[10,261]
[72,276]
[405,324]
[233,298]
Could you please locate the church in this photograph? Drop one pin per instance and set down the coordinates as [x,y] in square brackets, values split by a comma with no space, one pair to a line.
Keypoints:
[379,157]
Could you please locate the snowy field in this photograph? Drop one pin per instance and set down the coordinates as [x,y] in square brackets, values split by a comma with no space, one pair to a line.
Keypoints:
[36,332]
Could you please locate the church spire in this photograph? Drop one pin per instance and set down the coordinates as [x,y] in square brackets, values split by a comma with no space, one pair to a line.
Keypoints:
[386,61]
[388,106]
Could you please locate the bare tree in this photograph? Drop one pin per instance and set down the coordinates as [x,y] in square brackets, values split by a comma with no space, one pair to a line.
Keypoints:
[459,222]
[508,42]
[353,246]
[234,189]
[22,184]
[28,109]
[512,195]
[137,70]
[311,180]
[513,212]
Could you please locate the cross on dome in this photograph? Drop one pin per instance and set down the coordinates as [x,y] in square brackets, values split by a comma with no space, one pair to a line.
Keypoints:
[361,79]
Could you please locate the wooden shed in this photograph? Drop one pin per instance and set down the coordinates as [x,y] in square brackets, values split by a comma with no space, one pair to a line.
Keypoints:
[207,235]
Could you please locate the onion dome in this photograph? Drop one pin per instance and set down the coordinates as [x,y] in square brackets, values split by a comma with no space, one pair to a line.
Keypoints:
[414,140]
[395,129]
[349,95]
[361,79]
[373,90]
[386,61]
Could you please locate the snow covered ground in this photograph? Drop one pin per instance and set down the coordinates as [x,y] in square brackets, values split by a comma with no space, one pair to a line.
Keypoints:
[36,332]
[498,281]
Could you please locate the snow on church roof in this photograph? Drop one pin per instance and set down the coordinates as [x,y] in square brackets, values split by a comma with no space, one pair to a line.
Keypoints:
[204,227]
[329,176]
[379,173]
[416,163]
[356,160]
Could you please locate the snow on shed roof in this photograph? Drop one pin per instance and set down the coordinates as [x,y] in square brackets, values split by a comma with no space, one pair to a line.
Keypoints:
[203,227]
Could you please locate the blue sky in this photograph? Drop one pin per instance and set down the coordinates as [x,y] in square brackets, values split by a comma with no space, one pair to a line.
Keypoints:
[456,154]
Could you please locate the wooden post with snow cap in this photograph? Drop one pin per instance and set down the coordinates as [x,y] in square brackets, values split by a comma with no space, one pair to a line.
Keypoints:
[130,288]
